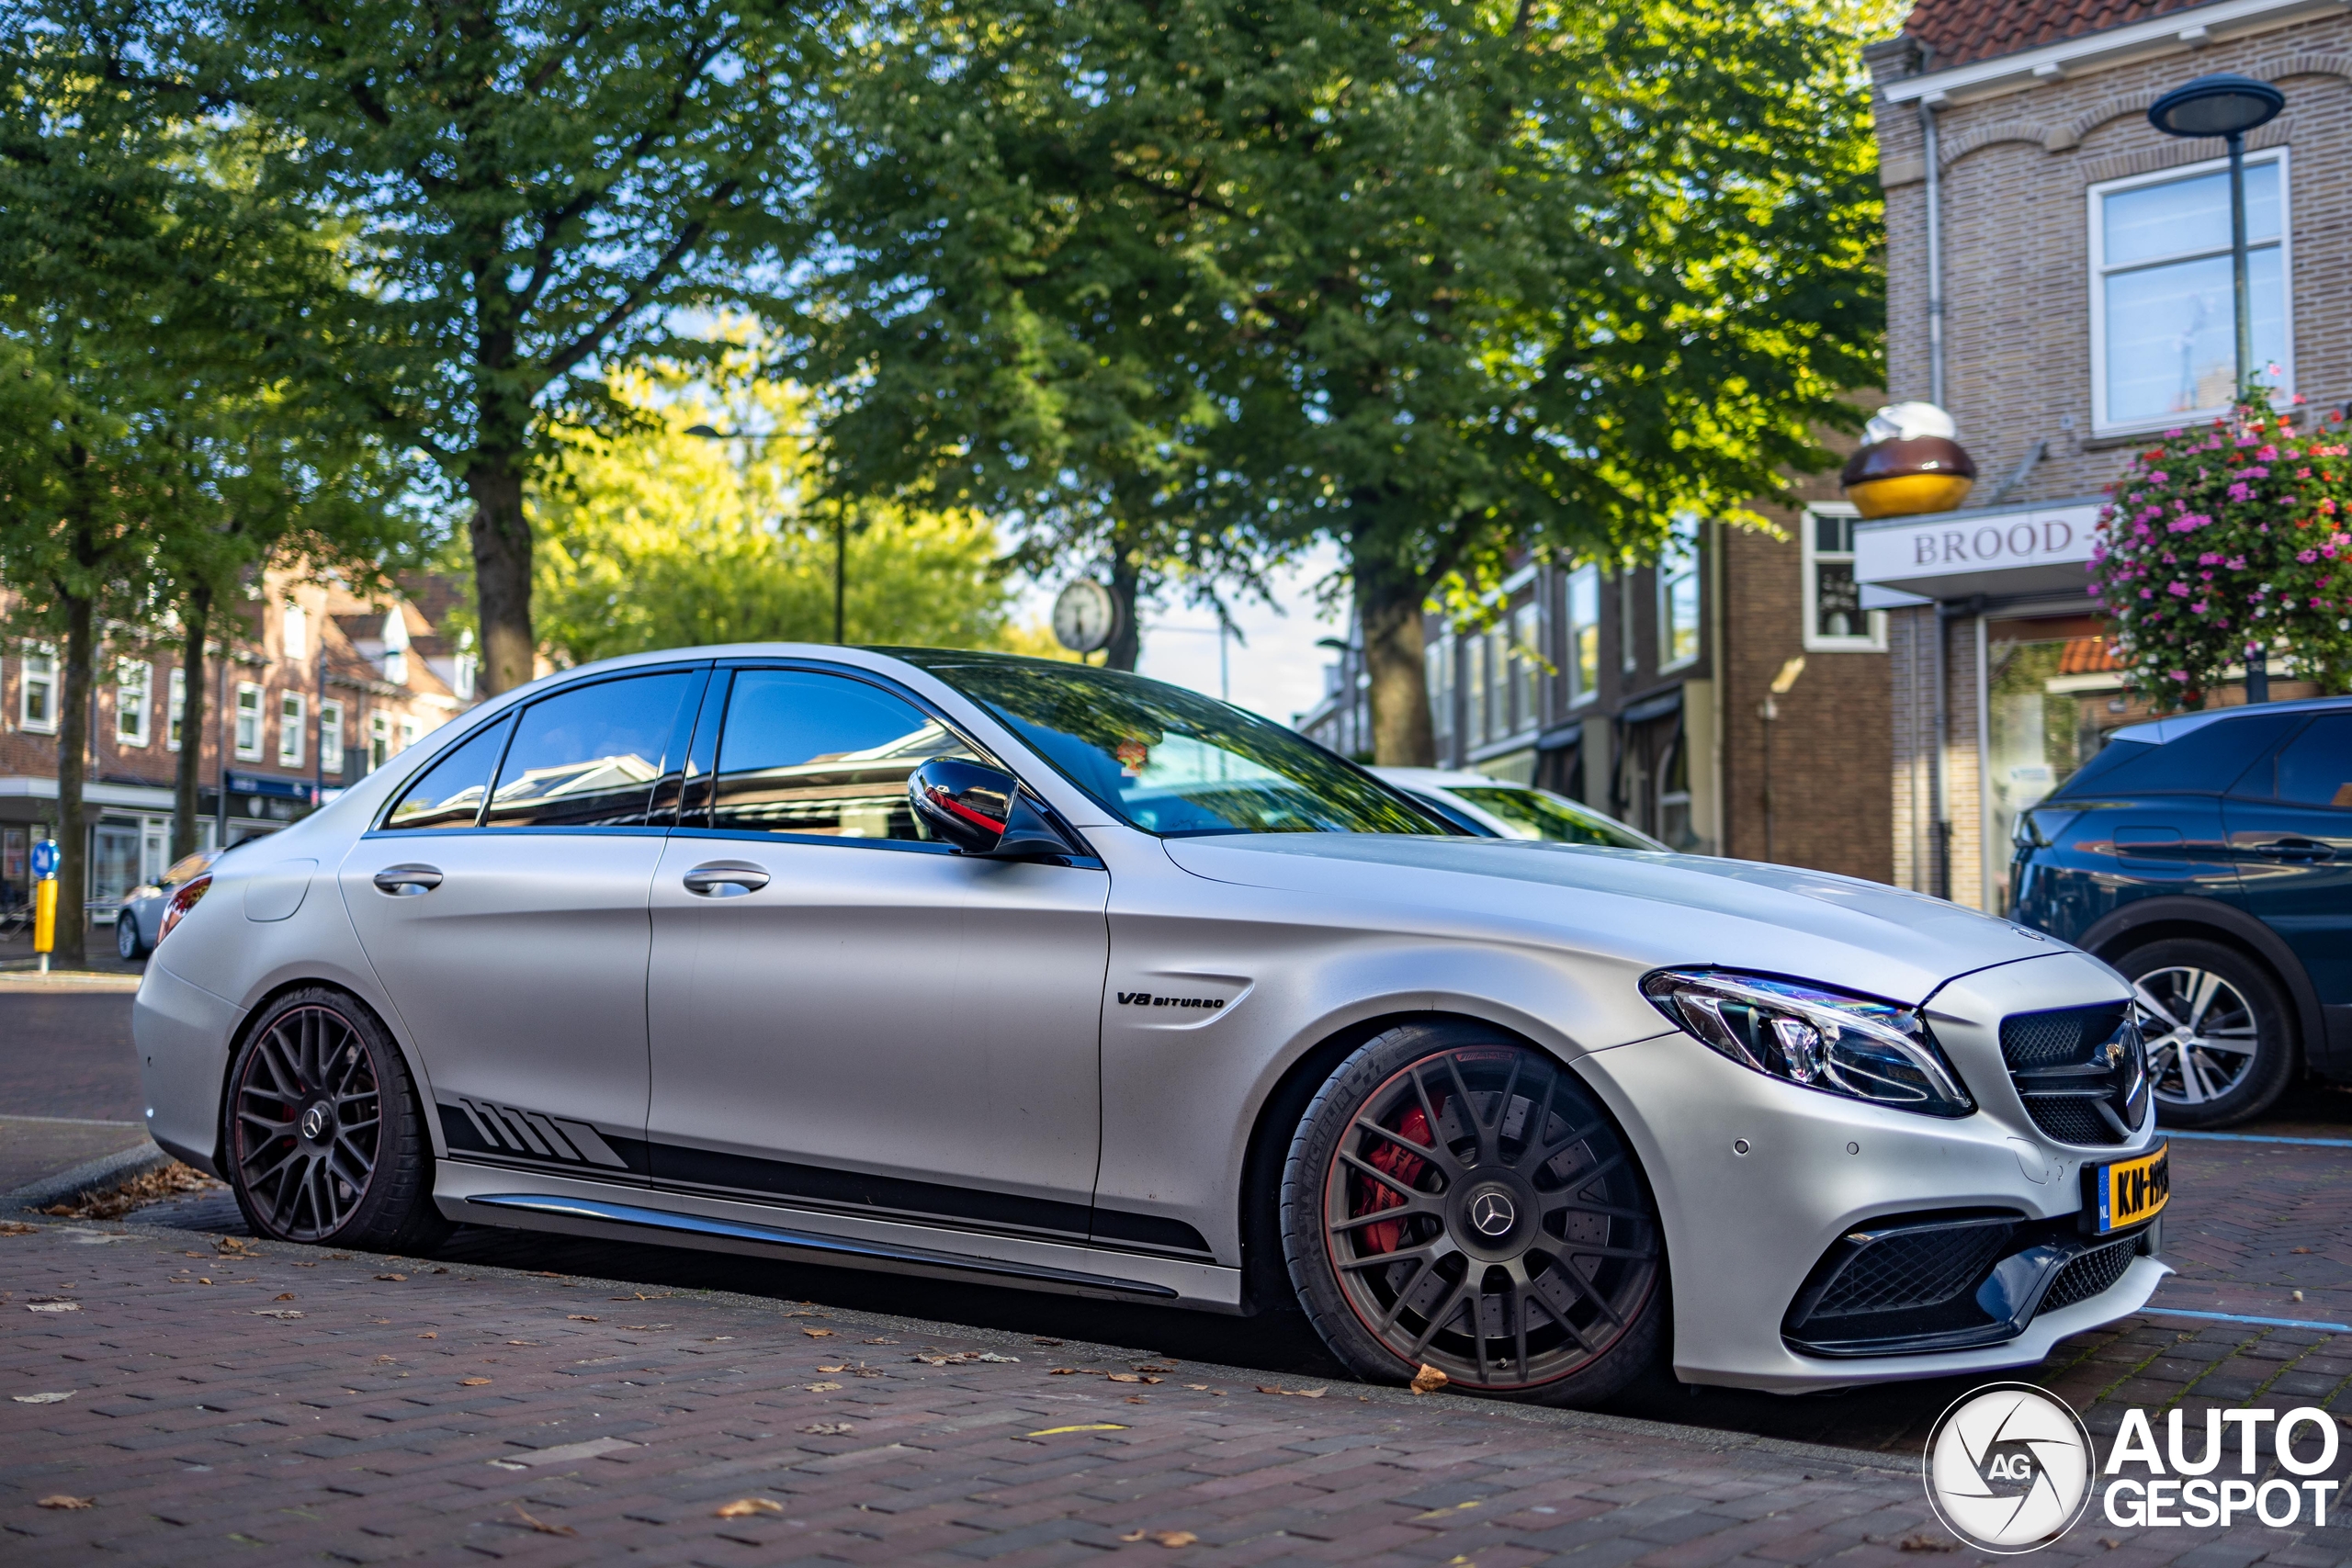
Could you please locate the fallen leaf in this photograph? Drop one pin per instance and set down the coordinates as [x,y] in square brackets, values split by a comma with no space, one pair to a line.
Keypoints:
[395,1278]
[581,1317]
[1202,1386]
[1090,1427]
[830,1429]
[1153,1367]
[42,1398]
[275,1312]
[62,1501]
[1138,1399]
[2299,1250]
[60,1306]
[1045,1342]
[746,1507]
[1428,1380]
[542,1525]
[877,1342]
[428,1336]
[834,1369]
[1293,1393]
[817,1333]
[1165,1538]
[472,1382]
[17,1227]
[823,1387]
[1072,1371]
[532,1343]
[283,1296]
[1925,1544]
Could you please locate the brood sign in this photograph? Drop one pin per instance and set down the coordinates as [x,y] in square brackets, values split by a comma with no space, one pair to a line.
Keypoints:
[1957,554]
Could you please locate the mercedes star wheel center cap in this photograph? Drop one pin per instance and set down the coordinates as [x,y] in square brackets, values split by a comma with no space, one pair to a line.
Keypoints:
[314,1121]
[1492,1214]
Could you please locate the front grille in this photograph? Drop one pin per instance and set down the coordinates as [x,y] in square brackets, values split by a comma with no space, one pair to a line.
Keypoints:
[2093,1274]
[1909,1270]
[2081,1072]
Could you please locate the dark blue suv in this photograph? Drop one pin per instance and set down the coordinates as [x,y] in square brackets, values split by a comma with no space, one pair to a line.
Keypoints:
[2209,857]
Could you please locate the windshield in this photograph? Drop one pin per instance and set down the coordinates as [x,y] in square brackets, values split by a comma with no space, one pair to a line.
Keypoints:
[1171,762]
[1539,815]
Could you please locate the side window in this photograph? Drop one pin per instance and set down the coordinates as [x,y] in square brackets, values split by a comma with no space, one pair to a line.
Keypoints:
[2204,761]
[589,757]
[450,793]
[2316,767]
[806,753]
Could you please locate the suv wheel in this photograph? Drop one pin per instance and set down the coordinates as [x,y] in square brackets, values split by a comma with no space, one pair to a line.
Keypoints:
[1455,1198]
[2220,1047]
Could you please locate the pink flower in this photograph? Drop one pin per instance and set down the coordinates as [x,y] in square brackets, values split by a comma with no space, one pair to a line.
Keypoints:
[2177,590]
[2267,452]
[2209,558]
[2240,492]
[2307,557]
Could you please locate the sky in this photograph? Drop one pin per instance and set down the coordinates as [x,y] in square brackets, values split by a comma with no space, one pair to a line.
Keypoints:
[1275,670]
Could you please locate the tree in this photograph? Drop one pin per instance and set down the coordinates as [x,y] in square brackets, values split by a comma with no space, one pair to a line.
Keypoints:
[546,188]
[1457,284]
[657,537]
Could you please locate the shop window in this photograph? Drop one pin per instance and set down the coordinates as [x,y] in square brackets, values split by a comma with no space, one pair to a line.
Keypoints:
[380,740]
[1437,660]
[1835,620]
[2052,691]
[1527,664]
[248,722]
[1584,634]
[331,737]
[36,698]
[2164,326]
[293,719]
[132,679]
[1674,796]
[1678,596]
[176,713]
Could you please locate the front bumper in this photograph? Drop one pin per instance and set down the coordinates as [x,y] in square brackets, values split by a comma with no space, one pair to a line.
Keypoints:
[1757,1180]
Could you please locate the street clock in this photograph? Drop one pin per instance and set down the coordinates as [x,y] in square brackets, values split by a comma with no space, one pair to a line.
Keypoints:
[1086,617]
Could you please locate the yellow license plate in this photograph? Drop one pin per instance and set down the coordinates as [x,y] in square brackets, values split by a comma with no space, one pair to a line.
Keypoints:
[2131,1190]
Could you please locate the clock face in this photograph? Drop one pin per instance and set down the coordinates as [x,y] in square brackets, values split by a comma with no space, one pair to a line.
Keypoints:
[1085,615]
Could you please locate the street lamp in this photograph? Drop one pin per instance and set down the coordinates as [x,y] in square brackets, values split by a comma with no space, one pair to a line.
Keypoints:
[841,524]
[2228,106]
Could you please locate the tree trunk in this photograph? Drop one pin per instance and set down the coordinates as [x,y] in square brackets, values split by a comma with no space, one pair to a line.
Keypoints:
[72,753]
[187,773]
[1127,580]
[1388,601]
[501,541]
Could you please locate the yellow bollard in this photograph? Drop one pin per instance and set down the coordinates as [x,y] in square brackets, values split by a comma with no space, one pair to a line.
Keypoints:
[45,919]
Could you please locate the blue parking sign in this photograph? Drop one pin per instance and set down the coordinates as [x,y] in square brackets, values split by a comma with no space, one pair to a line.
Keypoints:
[45,860]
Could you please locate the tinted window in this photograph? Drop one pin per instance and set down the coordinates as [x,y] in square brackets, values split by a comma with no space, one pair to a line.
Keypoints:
[805,752]
[1542,815]
[2316,769]
[2204,761]
[1170,761]
[448,794]
[589,757]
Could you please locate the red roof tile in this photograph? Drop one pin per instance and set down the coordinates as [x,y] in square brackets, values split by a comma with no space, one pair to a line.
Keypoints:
[1959,31]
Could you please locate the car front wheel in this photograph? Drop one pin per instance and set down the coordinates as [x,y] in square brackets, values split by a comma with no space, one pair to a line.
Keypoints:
[126,936]
[1458,1200]
[2220,1047]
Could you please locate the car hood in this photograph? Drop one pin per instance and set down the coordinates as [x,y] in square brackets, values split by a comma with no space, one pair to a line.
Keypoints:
[1642,908]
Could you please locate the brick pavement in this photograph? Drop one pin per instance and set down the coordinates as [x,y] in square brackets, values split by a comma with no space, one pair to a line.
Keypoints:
[458,1409]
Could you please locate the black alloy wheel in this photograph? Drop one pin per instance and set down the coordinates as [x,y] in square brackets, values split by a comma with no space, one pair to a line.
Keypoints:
[322,1140]
[1462,1201]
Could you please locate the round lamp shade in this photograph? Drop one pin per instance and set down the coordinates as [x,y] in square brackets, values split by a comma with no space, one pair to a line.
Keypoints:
[2219,105]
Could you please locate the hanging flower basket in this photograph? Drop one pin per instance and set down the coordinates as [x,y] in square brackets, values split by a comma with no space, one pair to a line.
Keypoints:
[2227,537]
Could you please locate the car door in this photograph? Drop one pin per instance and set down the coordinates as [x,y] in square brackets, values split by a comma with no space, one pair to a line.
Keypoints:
[2290,830]
[502,904]
[847,1016]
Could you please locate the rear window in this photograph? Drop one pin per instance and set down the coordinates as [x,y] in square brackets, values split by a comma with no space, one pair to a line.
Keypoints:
[2207,760]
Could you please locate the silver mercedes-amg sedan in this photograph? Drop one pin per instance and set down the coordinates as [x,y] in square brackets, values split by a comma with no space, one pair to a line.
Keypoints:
[999,969]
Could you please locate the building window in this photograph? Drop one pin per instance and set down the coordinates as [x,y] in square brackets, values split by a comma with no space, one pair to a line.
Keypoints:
[1527,664]
[409,729]
[331,737]
[295,634]
[248,722]
[36,709]
[1626,648]
[1834,617]
[395,646]
[1438,664]
[1584,634]
[132,680]
[1474,690]
[176,713]
[2164,327]
[467,666]
[1496,696]
[380,740]
[1678,595]
[293,717]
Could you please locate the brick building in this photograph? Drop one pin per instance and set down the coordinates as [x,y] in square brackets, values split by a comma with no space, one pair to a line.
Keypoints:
[313,686]
[2077,262]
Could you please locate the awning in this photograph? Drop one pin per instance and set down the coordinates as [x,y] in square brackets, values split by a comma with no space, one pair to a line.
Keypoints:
[1560,737]
[1660,707]
[1996,551]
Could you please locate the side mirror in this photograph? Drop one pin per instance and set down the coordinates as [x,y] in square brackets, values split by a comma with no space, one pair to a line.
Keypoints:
[980,810]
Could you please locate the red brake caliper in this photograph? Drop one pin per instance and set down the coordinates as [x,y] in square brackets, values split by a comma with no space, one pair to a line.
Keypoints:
[1395,1160]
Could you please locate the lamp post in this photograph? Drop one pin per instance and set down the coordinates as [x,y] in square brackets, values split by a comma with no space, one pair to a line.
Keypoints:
[2228,106]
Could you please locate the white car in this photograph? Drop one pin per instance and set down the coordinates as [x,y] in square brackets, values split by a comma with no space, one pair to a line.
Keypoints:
[997,969]
[1496,808]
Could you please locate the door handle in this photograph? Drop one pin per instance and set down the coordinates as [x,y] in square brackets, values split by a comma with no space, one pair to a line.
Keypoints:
[408,881]
[726,878]
[2295,849]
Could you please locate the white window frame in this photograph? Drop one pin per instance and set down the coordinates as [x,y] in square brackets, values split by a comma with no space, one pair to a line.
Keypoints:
[411,730]
[1873,639]
[1572,666]
[247,722]
[1525,636]
[2281,395]
[380,740]
[293,719]
[38,667]
[1437,660]
[176,715]
[294,633]
[1665,587]
[133,699]
[331,737]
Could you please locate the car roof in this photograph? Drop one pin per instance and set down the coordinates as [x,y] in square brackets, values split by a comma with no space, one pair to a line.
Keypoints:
[2162,731]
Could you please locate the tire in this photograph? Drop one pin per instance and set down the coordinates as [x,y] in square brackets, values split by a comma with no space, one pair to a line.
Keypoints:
[2219,1030]
[1559,1240]
[126,944]
[322,1137]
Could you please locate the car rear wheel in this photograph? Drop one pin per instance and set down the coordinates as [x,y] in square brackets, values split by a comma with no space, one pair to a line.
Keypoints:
[323,1139]
[1456,1199]
[2220,1048]
[126,944]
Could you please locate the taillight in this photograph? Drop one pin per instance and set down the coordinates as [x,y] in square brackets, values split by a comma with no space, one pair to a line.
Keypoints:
[184,899]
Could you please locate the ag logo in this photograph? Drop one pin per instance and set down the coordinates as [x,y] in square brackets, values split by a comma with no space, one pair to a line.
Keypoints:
[2008,1468]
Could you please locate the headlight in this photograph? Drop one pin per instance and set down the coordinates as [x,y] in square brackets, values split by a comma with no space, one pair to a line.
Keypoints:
[1824,1040]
